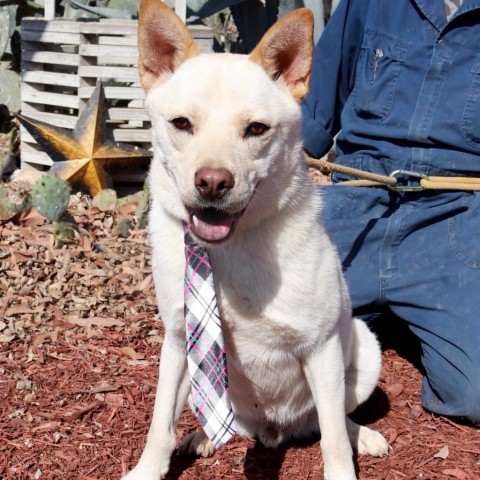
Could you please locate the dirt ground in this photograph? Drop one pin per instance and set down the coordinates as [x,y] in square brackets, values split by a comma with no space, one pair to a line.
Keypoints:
[79,345]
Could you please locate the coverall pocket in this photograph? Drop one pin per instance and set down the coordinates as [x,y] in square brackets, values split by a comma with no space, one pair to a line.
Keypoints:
[471,117]
[378,68]
[464,229]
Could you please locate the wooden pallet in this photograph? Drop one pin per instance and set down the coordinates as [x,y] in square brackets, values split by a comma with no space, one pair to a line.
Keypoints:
[61,63]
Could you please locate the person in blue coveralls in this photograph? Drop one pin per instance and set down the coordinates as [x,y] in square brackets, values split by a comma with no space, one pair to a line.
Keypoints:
[397,82]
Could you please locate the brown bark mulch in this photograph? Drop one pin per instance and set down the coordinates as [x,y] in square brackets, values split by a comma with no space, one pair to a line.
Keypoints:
[79,344]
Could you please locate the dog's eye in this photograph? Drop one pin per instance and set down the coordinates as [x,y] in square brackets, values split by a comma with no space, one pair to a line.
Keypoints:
[256,129]
[181,123]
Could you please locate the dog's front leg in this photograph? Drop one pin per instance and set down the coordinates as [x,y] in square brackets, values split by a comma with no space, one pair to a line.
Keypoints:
[172,391]
[325,373]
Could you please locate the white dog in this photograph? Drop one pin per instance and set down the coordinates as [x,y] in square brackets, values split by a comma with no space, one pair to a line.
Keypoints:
[228,162]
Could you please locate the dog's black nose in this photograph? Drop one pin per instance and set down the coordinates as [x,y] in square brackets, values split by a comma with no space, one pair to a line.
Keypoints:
[213,183]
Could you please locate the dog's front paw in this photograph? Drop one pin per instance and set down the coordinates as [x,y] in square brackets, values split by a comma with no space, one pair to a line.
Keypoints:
[196,443]
[370,442]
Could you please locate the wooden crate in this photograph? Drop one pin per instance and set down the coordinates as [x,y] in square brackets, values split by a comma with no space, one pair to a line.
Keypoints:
[61,63]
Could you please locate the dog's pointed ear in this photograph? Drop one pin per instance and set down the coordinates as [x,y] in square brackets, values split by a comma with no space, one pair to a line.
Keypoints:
[285,52]
[164,42]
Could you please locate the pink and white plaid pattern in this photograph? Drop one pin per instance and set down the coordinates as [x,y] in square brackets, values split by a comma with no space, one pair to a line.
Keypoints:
[206,358]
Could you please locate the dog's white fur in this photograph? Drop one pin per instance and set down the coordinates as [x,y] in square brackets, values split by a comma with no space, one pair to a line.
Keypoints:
[297,363]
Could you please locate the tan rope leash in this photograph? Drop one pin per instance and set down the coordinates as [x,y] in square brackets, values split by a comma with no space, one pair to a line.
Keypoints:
[450,183]
[368,179]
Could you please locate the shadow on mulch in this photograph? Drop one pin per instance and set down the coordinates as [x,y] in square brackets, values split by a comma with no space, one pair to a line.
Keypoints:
[179,463]
[394,334]
[262,462]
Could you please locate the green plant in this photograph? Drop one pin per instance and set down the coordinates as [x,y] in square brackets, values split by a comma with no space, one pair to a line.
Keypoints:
[11,14]
[107,200]
[50,196]
[8,15]
[123,227]
[141,214]
[9,159]
[8,207]
[142,200]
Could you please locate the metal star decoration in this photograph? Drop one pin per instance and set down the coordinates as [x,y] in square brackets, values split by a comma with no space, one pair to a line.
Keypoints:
[87,153]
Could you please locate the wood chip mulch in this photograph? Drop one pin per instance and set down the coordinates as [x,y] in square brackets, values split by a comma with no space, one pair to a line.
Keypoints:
[79,344]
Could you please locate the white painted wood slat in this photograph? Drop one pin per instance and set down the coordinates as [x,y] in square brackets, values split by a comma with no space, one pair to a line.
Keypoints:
[62,60]
[50,78]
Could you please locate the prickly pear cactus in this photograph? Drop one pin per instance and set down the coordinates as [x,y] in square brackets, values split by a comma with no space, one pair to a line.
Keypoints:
[4,30]
[10,204]
[64,230]
[123,227]
[105,200]
[141,215]
[7,207]
[50,196]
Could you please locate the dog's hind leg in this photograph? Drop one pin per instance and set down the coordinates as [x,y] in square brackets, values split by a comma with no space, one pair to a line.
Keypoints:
[196,443]
[361,379]
[172,391]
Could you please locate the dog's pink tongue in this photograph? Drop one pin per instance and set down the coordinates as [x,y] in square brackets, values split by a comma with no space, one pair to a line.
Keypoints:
[211,226]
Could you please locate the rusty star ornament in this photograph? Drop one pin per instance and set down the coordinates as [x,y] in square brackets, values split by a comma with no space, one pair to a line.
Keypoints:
[86,154]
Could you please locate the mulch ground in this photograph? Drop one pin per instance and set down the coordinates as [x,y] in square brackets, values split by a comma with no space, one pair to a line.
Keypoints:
[79,345]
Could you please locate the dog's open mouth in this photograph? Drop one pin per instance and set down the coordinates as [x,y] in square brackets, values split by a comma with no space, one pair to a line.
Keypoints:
[212,225]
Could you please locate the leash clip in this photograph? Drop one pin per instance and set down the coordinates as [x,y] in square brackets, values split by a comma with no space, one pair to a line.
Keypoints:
[406,175]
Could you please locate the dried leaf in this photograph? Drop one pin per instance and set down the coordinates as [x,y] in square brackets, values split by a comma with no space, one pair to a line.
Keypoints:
[40,339]
[443,453]
[392,436]
[19,309]
[416,411]
[130,352]
[395,389]
[6,338]
[32,218]
[456,473]
[96,321]
[147,281]
[115,399]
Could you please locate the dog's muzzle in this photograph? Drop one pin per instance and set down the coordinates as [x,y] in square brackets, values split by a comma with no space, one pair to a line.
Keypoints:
[211,224]
[211,220]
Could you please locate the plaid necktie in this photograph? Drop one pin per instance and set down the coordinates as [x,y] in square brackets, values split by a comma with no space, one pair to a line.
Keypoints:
[206,358]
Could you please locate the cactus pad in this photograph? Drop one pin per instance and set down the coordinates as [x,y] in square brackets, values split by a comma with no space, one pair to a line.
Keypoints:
[9,203]
[7,207]
[105,200]
[50,196]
